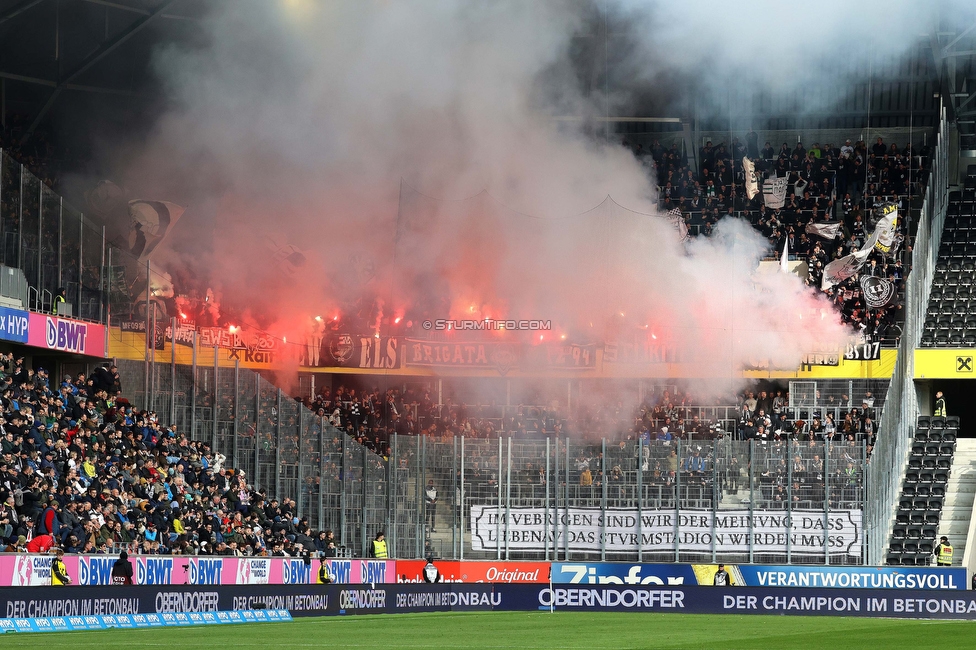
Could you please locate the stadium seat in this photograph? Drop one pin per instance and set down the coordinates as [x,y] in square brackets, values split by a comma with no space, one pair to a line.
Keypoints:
[922,491]
[952,422]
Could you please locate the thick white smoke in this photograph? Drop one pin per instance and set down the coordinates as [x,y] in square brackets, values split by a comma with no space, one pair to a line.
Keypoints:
[302,118]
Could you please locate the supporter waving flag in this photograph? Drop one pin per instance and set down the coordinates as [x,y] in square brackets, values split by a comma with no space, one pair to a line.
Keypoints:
[752,182]
[678,221]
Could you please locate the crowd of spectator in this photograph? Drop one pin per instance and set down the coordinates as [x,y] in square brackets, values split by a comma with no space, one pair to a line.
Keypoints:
[83,470]
[372,416]
[837,184]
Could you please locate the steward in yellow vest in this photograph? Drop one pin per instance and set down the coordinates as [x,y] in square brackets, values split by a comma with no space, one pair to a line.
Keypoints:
[379,546]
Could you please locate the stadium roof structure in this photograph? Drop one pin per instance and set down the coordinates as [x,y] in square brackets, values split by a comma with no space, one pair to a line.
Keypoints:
[88,64]
[81,59]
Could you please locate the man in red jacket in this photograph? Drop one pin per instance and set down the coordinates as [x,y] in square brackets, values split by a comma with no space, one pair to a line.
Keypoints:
[40,544]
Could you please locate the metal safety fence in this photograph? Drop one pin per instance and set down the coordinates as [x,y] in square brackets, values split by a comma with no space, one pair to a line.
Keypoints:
[516,498]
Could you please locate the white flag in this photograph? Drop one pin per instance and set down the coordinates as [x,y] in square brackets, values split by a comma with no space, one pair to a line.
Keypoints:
[784,261]
[774,192]
[839,270]
[752,183]
[887,228]
[151,220]
[825,230]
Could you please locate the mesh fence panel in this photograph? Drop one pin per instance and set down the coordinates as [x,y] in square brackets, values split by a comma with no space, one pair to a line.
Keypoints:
[531,498]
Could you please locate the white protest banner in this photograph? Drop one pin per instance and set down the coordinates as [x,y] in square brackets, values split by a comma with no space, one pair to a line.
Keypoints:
[584,529]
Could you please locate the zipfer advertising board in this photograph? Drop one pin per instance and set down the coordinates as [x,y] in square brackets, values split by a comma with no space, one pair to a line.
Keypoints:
[325,600]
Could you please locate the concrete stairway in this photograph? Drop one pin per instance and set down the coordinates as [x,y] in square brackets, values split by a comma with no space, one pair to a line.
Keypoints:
[958,507]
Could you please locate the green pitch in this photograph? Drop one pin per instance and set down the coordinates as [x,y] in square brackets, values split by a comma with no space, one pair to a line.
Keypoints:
[522,630]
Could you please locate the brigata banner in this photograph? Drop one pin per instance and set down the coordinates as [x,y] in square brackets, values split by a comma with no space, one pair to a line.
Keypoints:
[729,531]
[66,335]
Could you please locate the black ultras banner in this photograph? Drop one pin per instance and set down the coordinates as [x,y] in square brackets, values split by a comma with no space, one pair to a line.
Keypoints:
[878,293]
[319,600]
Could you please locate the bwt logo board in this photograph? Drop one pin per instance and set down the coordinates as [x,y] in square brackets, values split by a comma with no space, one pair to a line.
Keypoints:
[68,336]
[154,571]
[372,571]
[341,571]
[296,572]
[205,572]
[93,571]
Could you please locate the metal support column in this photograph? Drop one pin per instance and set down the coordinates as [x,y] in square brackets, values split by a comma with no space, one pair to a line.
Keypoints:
[555,504]
[789,500]
[752,498]
[277,445]
[81,261]
[193,391]
[826,505]
[508,494]
[321,473]
[546,488]
[603,501]
[237,405]
[172,371]
[301,465]
[566,503]
[677,501]
[498,510]
[257,430]
[640,499]
[454,487]
[364,510]
[462,497]
[216,400]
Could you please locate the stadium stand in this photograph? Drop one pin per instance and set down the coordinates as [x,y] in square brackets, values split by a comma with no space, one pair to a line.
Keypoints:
[923,491]
[84,470]
[950,320]
[830,183]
